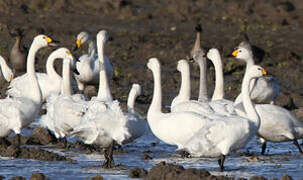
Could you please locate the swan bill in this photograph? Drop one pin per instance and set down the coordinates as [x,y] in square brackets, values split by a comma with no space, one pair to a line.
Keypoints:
[78,43]
[235,53]
[264,72]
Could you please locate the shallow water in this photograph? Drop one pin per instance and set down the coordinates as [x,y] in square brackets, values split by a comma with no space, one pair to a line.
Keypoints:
[282,158]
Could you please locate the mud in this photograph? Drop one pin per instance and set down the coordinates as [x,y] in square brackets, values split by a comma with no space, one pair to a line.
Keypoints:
[163,29]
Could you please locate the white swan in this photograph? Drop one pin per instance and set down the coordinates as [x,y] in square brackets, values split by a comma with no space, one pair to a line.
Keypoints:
[64,111]
[49,82]
[18,112]
[182,101]
[218,103]
[263,90]
[6,70]
[137,124]
[174,128]
[88,65]
[228,133]
[104,122]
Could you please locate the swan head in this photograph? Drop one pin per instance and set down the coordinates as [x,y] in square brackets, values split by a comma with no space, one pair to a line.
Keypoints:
[82,37]
[213,54]
[243,51]
[137,89]
[43,41]
[153,63]
[256,71]
[182,64]
[103,36]
[199,56]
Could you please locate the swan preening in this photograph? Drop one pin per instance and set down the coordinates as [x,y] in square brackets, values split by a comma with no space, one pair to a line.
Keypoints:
[88,65]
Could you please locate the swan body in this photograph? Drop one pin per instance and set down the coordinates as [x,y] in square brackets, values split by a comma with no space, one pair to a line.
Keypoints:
[88,65]
[277,124]
[173,128]
[264,89]
[18,112]
[182,102]
[212,139]
[49,82]
[6,70]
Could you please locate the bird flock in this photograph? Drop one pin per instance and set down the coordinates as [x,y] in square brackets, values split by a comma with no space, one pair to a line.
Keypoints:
[203,127]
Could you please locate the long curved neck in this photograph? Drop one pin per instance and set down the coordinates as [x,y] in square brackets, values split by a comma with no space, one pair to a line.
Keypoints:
[203,92]
[249,62]
[91,47]
[66,84]
[30,70]
[219,86]
[184,93]
[131,100]
[155,106]
[248,106]
[197,45]
[104,90]
[17,43]
[50,70]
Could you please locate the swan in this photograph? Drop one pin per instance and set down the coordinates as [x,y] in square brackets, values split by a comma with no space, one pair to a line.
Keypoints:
[18,112]
[49,82]
[88,65]
[104,123]
[277,124]
[64,111]
[174,128]
[6,70]
[17,56]
[228,133]
[182,101]
[218,103]
[263,90]
[195,53]
[138,123]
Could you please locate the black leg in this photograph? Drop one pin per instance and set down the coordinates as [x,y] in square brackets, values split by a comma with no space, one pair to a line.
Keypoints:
[263,147]
[221,162]
[108,155]
[298,146]
[19,140]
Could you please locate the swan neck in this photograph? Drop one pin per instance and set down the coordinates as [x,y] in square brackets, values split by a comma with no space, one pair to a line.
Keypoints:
[249,62]
[30,70]
[185,88]
[248,105]
[17,42]
[203,92]
[131,101]
[104,90]
[91,47]
[155,106]
[219,85]
[50,70]
[66,84]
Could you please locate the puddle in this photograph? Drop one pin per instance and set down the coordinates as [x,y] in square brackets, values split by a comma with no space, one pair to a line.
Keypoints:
[282,158]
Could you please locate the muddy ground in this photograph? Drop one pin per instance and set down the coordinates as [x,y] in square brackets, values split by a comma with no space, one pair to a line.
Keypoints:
[165,29]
